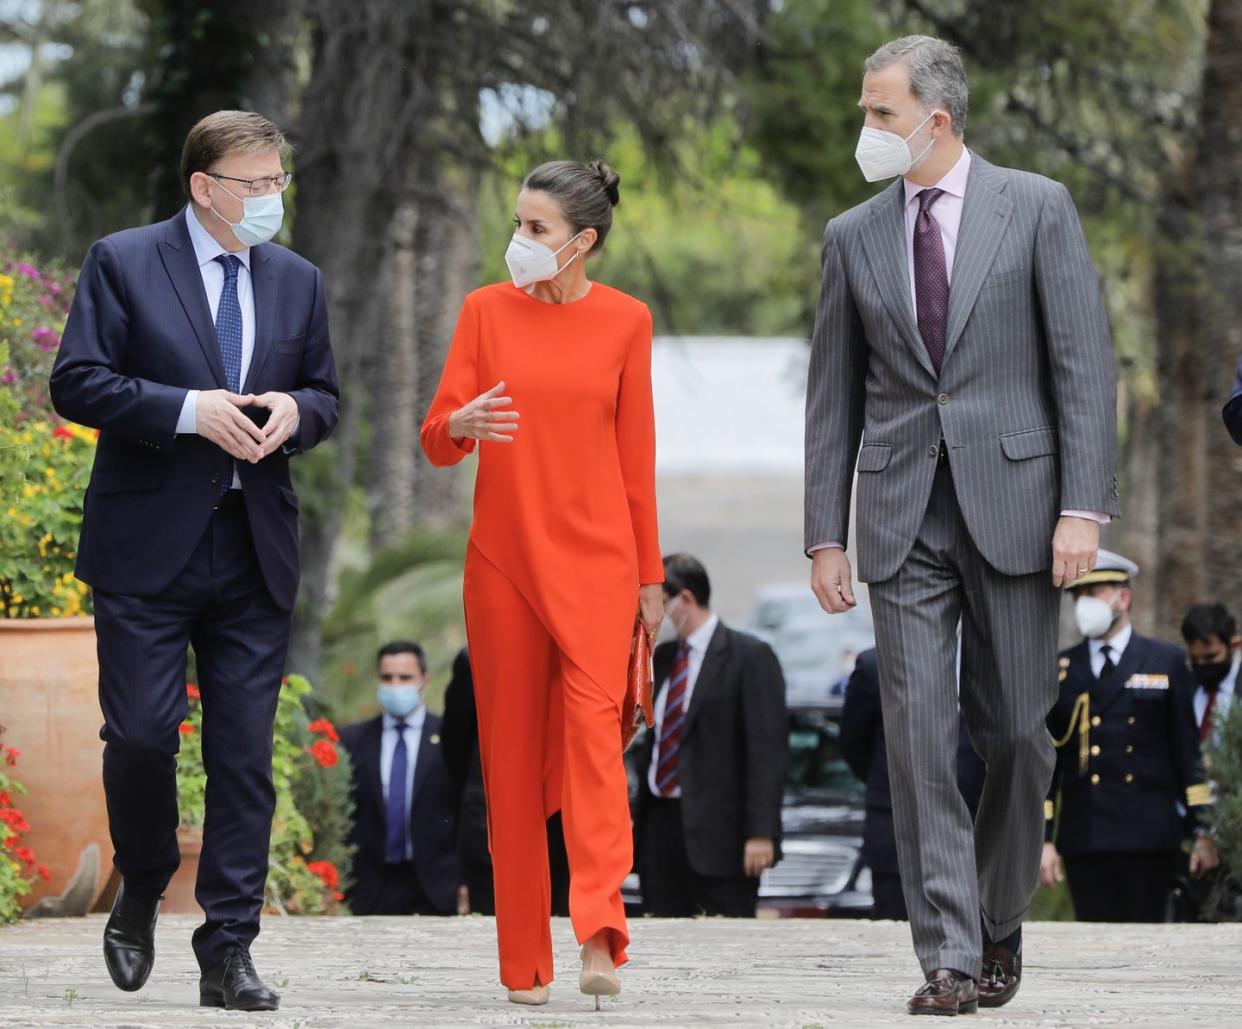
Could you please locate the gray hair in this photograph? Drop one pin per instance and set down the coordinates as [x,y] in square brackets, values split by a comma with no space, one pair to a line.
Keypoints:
[937,75]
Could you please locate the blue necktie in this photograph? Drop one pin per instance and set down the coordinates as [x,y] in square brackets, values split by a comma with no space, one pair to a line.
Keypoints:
[229,336]
[229,323]
[394,819]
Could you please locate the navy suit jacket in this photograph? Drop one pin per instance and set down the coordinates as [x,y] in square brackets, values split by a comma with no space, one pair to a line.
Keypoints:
[139,336]
[1232,412]
[433,818]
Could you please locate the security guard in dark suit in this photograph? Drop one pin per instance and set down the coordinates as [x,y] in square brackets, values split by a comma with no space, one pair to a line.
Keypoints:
[1129,776]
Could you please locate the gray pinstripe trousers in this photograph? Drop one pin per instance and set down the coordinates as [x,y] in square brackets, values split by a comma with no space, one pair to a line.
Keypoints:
[960,880]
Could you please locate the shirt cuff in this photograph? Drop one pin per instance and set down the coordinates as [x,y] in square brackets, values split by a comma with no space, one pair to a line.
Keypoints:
[1091,516]
[291,444]
[187,421]
[830,545]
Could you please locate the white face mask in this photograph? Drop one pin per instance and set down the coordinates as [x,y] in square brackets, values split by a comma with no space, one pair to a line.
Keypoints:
[669,627]
[882,154]
[530,261]
[261,217]
[1094,617]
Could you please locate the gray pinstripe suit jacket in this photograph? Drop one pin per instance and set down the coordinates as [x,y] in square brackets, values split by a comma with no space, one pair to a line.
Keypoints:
[1026,397]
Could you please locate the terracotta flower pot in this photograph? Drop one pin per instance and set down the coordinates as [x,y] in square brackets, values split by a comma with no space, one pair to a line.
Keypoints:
[179,896]
[49,704]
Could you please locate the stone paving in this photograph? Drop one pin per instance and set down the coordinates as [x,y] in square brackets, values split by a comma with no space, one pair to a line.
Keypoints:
[357,973]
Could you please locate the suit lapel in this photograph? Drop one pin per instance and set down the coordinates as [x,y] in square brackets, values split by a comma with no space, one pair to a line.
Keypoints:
[985,217]
[709,674]
[181,263]
[426,754]
[263,280]
[1130,663]
[885,246]
[372,749]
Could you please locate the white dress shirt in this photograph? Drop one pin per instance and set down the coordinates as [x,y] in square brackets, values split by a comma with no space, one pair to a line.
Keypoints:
[698,642]
[1117,645]
[1224,696]
[206,250]
[413,733]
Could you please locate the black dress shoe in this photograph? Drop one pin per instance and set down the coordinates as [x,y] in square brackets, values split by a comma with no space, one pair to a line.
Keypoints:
[234,984]
[129,940]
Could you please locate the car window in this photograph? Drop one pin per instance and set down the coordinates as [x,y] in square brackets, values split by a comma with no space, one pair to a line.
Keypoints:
[815,761]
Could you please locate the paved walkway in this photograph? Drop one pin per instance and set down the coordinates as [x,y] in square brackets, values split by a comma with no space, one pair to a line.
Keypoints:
[358,973]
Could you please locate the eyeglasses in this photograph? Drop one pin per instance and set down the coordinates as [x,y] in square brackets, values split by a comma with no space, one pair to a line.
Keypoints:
[260,187]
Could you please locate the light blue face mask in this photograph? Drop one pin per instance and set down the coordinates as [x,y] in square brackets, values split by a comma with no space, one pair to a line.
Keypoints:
[261,217]
[400,701]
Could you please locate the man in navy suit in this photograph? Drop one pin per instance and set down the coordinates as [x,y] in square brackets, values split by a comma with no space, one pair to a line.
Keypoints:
[200,351]
[405,801]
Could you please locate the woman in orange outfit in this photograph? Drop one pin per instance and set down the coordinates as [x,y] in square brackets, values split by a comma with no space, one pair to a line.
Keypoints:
[563,553]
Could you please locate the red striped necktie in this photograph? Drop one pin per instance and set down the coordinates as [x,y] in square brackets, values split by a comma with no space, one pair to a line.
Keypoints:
[668,780]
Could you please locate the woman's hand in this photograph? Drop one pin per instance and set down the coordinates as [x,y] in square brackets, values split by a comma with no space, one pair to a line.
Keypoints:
[651,607]
[483,419]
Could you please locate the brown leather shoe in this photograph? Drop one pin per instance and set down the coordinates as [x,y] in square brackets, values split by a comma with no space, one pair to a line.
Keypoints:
[1002,975]
[944,994]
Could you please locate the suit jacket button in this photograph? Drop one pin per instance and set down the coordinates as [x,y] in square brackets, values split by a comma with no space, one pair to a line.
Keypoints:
[1096,721]
[1129,748]
[1095,780]
[1095,750]
[943,398]
[933,450]
[1131,720]
[215,477]
[1129,777]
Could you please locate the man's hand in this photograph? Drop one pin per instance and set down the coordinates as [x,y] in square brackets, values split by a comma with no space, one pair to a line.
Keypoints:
[760,853]
[218,417]
[483,418]
[463,899]
[831,580]
[1075,547]
[281,422]
[1203,857]
[1051,870]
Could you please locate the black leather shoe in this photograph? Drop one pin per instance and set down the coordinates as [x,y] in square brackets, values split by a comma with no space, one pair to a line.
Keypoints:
[129,940]
[235,985]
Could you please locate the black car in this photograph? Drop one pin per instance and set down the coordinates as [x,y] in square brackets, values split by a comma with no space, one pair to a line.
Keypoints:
[821,873]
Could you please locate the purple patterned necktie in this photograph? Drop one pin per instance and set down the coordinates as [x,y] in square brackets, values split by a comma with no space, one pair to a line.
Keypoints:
[931,281]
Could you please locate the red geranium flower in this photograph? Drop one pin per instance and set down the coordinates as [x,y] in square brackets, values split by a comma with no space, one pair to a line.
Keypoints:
[192,691]
[324,753]
[338,895]
[11,754]
[325,728]
[44,873]
[326,872]
[60,432]
[4,799]
[25,855]
[14,819]
[186,729]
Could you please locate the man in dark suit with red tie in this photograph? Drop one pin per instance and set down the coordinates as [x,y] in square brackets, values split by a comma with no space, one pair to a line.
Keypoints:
[405,802]
[712,769]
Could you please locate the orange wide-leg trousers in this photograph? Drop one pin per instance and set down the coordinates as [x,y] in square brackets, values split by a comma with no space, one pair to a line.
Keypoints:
[550,739]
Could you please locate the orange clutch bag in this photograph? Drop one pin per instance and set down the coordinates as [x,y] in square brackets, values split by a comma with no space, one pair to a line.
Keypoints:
[639,704]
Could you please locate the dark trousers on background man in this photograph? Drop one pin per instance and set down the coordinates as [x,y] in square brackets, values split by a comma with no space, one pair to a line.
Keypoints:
[1122,886]
[671,887]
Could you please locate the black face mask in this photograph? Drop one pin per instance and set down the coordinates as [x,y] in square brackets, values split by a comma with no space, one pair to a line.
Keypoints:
[1210,675]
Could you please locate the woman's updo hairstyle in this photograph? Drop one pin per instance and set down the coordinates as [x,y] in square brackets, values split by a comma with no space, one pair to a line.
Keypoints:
[587,193]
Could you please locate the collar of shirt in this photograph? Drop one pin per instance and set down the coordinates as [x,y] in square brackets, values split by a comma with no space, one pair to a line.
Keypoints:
[1117,644]
[953,183]
[702,636]
[415,721]
[206,247]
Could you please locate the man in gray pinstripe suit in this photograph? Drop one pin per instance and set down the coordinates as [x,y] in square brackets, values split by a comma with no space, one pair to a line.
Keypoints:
[961,339]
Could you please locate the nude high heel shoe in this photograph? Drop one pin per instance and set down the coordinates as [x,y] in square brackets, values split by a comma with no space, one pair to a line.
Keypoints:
[536,996]
[599,977]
